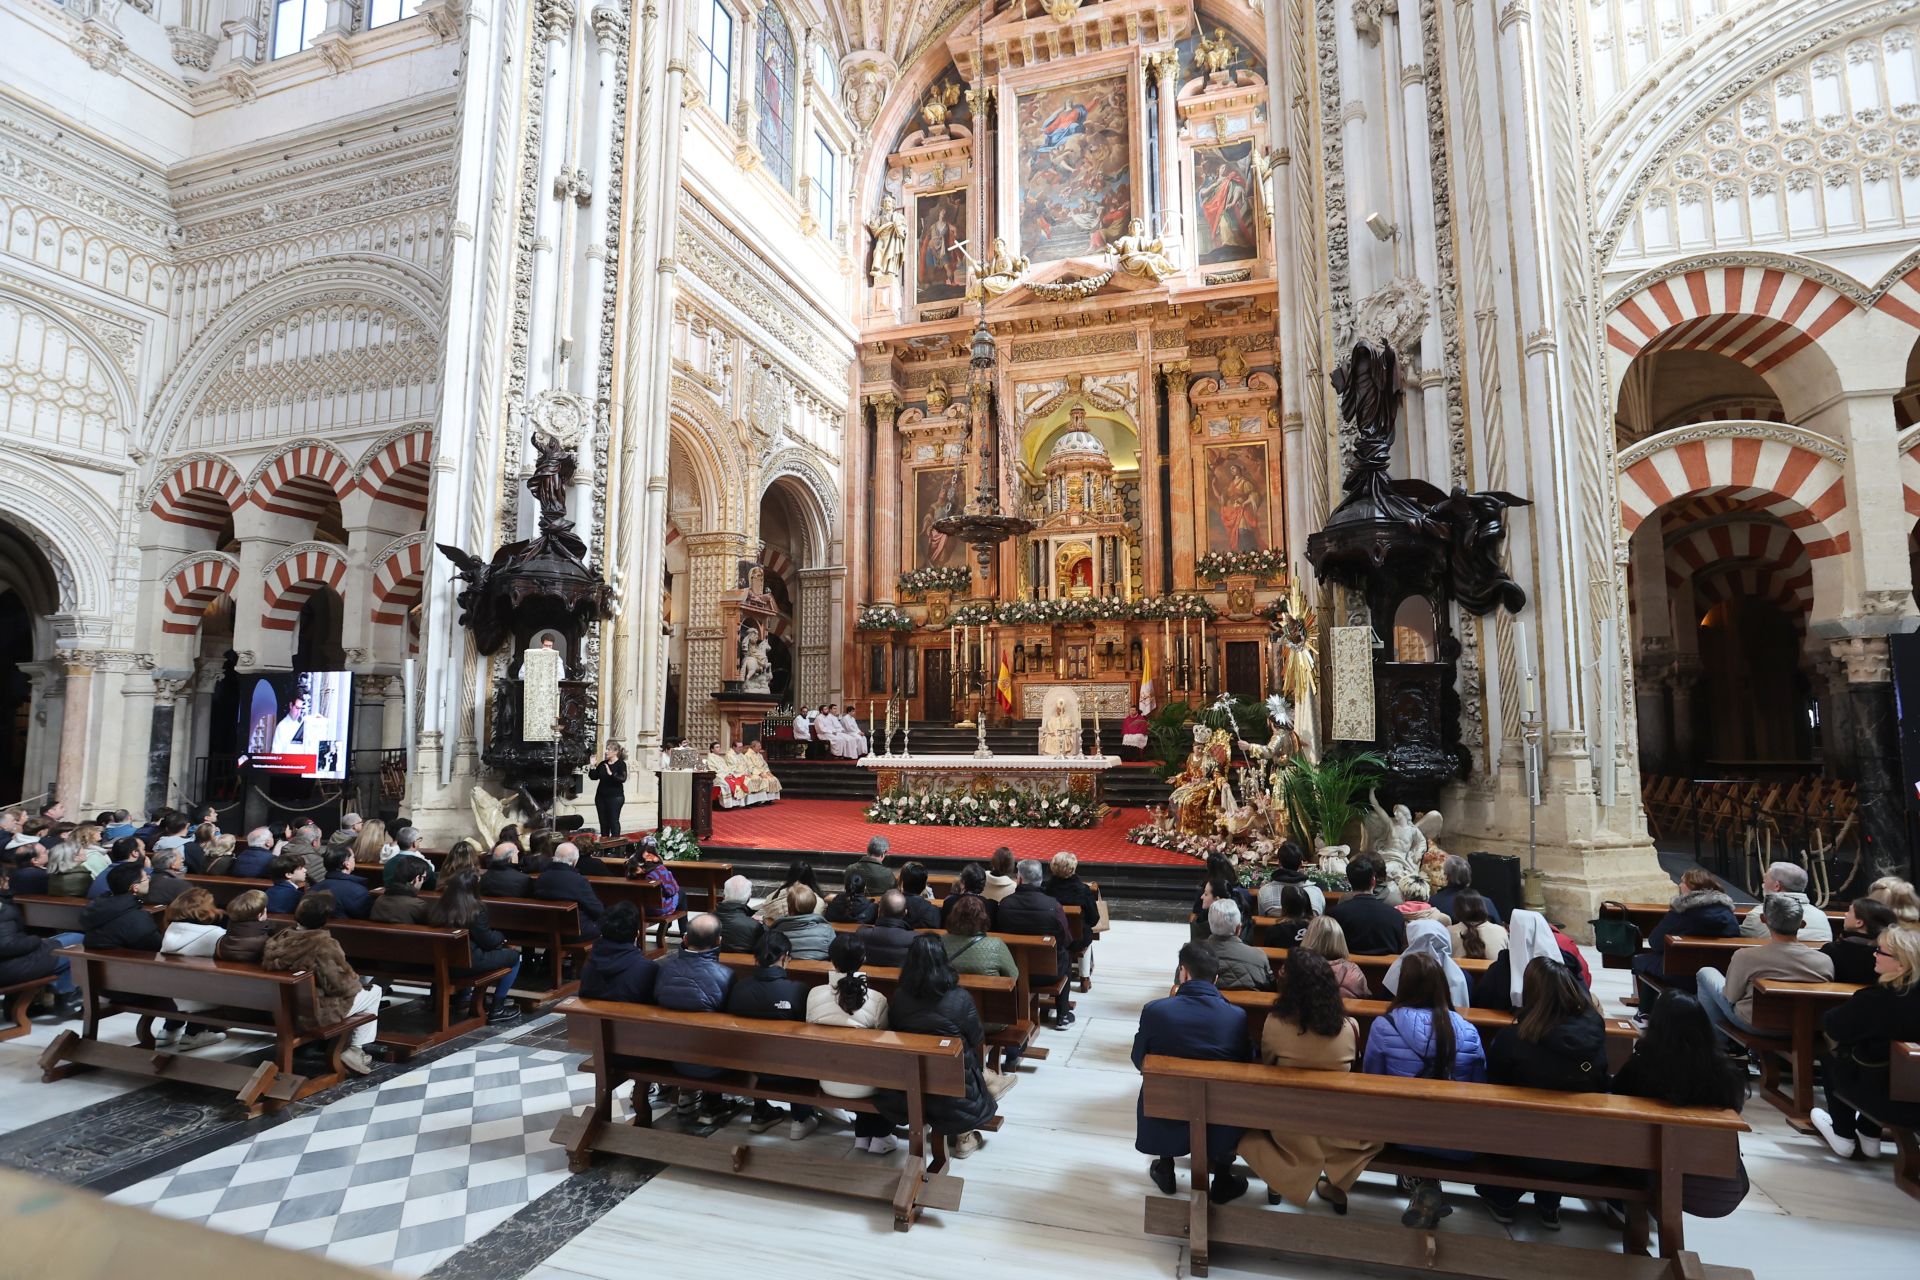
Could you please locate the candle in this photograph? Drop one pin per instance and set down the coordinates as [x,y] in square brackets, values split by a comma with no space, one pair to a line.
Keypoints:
[1186,679]
[869,724]
[1530,698]
[1205,653]
[1098,748]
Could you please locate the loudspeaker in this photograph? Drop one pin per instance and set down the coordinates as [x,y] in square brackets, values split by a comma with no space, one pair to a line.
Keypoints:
[1496,877]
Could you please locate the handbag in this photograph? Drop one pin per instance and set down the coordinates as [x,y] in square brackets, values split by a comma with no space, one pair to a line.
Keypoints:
[1615,935]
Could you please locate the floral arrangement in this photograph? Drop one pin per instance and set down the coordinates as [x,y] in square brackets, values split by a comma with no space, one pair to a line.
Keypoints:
[883,617]
[1249,859]
[1019,612]
[998,807]
[676,844]
[917,582]
[1264,563]
[1173,607]
[974,613]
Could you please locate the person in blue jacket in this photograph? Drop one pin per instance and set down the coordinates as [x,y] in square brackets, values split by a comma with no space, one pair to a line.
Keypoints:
[1421,1036]
[1700,910]
[289,876]
[1196,1021]
[352,900]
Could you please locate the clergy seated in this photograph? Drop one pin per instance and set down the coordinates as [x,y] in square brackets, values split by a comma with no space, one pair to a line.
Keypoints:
[755,759]
[729,784]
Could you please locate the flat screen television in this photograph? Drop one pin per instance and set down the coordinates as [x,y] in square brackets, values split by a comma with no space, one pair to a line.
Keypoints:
[296,723]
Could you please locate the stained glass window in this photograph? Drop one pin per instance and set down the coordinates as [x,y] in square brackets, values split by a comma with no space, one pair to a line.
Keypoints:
[773,96]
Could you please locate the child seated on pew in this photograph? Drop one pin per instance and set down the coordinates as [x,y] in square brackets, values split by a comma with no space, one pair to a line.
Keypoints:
[245,940]
[338,992]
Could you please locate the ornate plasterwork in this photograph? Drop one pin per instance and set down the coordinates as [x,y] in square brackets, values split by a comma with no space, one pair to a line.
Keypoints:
[1333,176]
[1812,441]
[192,48]
[1838,281]
[563,415]
[1396,313]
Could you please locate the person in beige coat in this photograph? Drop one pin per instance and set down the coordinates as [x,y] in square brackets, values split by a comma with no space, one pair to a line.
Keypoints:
[1309,1030]
[1328,940]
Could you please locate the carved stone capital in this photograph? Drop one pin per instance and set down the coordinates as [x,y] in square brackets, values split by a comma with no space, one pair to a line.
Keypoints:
[444,17]
[192,48]
[886,408]
[1864,658]
[1369,17]
[1179,375]
[240,85]
[609,26]
[554,19]
[335,50]
[167,689]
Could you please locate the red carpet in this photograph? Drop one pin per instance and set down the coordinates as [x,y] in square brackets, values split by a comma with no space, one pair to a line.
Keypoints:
[837,826]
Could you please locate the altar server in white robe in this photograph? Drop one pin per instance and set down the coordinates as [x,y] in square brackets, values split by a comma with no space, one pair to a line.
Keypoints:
[850,728]
[827,727]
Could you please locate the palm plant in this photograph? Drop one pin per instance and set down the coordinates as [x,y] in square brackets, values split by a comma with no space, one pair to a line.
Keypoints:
[1322,799]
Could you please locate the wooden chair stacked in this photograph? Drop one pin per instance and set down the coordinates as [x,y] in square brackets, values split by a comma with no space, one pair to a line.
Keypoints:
[642,1042]
[238,997]
[1903,1078]
[1646,1148]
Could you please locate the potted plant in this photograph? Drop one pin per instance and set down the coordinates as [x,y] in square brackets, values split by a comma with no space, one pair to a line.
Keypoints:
[1323,799]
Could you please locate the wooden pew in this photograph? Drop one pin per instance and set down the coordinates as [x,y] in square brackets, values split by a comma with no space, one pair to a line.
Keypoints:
[999,1000]
[700,883]
[1031,955]
[647,898]
[1903,1080]
[1789,1013]
[1688,956]
[1646,915]
[419,955]
[243,997]
[19,998]
[551,927]
[43,913]
[1375,967]
[226,888]
[1621,1032]
[641,1042]
[1647,1146]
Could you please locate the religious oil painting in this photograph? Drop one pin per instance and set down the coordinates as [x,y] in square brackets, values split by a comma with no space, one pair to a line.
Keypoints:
[1075,168]
[1224,206]
[1236,497]
[940,221]
[936,496]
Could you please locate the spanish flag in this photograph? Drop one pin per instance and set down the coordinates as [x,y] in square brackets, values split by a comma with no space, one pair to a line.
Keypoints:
[1146,678]
[1003,685]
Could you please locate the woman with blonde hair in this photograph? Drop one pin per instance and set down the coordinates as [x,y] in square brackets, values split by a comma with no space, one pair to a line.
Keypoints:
[220,855]
[1862,1031]
[1898,894]
[87,839]
[1326,938]
[369,843]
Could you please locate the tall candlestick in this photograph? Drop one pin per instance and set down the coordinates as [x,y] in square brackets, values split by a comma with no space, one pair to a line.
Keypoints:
[1186,678]
[1166,657]
[869,726]
[1205,653]
[1098,748]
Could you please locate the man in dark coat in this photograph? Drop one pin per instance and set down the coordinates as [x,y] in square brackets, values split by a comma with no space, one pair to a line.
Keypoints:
[30,872]
[166,881]
[119,919]
[693,980]
[503,877]
[25,956]
[739,931]
[560,882]
[616,968]
[1194,1022]
[352,899]
[251,862]
[889,935]
[768,992]
[126,849]
[922,912]
[1372,927]
[1030,911]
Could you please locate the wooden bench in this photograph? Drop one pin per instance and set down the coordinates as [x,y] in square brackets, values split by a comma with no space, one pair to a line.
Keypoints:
[1375,968]
[1687,956]
[18,1000]
[424,956]
[641,1042]
[1000,1001]
[242,997]
[1647,1146]
[647,898]
[1646,916]
[44,914]
[1622,1033]
[700,882]
[1788,1015]
[551,927]
[226,888]
[1903,1082]
[1031,955]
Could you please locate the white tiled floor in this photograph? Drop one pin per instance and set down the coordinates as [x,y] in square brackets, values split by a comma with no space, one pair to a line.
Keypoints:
[1058,1190]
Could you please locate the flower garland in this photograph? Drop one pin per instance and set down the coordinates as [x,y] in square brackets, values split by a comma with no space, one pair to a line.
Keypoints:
[1264,563]
[1173,607]
[917,582]
[998,807]
[883,617]
[974,613]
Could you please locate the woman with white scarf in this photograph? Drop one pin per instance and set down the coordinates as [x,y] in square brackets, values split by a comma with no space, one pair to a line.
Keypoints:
[1528,935]
[1431,937]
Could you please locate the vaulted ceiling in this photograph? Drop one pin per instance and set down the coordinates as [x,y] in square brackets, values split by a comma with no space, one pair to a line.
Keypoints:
[901,29]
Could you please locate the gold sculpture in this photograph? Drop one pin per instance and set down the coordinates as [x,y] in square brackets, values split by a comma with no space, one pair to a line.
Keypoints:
[1216,54]
[1000,272]
[1062,10]
[938,103]
[1140,256]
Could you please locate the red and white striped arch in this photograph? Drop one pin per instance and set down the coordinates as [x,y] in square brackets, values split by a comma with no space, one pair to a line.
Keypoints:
[195,583]
[397,470]
[1910,469]
[201,493]
[1902,298]
[1754,557]
[397,578]
[1758,316]
[1805,489]
[294,577]
[301,480]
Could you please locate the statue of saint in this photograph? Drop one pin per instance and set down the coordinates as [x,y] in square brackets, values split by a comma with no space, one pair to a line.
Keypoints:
[756,661]
[1000,272]
[889,232]
[1060,726]
[1141,256]
[553,470]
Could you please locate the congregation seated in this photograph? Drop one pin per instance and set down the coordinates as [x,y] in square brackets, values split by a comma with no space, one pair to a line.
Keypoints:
[67,874]
[1474,934]
[247,932]
[1066,887]
[929,1001]
[338,992]
[775,904]
[1030,912]
[401,880]
[118,918]
[561,882]
[806,929]
[165,878]
[971,949]
[739,931]
[352,900]
[1000,881]
[1789,880]
[1421,1037]
[1237,966]
[1728,997]
[1326,938]
[888,935]
[463,857]
[1701,909]
[872,867]
[30,868]
[1676,1060]
[1861,1031]
[503,877]
[1458,873]
[1372,927]
[617,968]
[306,846]
[289,876]
[1502,985]
[1852,951]
[171,837]
[1194,1022]
[1898,894]
[1427,937]
[970,883]
[127,849]
[251,862]
[852,905]
[767,992]
[461,907]
[368,840]
[849,1000]
[693,980]
[1308,1029]
[25,957]
[651,868]
[193,926]
[1294,915]
[922,911]
[221,855]
[1222,883]
[1287,871]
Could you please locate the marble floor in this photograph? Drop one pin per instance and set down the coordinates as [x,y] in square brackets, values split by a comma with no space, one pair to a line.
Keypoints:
[442,1167]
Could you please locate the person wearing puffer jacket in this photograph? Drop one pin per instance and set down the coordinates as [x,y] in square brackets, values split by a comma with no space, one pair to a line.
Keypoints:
[693,980]
[1422,1037]
[805,928]
[194,928]
[1699,910]
[616,968]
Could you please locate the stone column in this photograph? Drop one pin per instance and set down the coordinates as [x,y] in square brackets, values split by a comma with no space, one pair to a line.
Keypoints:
[554,25]
[742,111]
[1683,684]
[1179,460]
[75,726]
[1165,67]
[45,707]
[1653,708]
[167,687]
[885,493]
[1875,736]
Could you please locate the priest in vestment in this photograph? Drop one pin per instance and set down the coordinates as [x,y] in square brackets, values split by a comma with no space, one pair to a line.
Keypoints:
[737,763]
[855,736]
[729,785]
[758,767]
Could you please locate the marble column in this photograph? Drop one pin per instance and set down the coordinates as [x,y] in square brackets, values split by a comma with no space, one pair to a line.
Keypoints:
[1654,710]
[1166,71]
[167,688]
[1683,683]
[888,486]
[1875,736]
[72,771]
[555,23]
[1179,461]
[45,707]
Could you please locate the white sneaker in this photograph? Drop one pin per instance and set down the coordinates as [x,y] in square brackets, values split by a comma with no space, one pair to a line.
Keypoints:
[167,1038]
[884,1145]
[862,1144]
[1842,1147]
[355,1059]
[1869,1147]
[998,1082]
[799,1129]
[201,1039]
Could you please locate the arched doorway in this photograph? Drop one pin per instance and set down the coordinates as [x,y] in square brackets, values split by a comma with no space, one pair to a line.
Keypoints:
[29,596]
[792,543]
